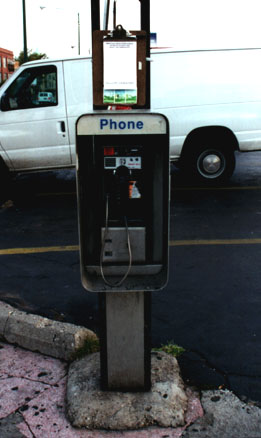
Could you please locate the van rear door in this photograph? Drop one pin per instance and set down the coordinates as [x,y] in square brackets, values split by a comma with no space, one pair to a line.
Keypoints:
[34,132]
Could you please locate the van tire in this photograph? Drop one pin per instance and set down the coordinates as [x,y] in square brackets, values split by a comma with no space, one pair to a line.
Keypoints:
[210,164]
[5,181]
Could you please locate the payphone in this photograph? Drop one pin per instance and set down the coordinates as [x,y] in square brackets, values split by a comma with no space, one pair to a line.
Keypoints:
[122,160]
[123,194]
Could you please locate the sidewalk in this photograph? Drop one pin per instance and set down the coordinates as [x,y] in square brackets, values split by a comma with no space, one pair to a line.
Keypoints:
[33,392]
[33,405]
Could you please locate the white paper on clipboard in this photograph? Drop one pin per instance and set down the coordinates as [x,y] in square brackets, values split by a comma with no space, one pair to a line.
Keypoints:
[120,71]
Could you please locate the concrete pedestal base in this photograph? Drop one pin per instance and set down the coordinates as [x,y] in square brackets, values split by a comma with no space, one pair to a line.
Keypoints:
[164,405]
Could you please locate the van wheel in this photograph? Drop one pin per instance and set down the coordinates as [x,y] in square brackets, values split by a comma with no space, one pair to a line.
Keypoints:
[212,165]
[5,182]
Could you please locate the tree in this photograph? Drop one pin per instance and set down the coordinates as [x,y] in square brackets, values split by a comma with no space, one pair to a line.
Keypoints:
[32,56]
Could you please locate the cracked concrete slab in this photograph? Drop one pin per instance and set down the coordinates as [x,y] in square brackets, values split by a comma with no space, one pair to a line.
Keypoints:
[47,418]
[226,416]
[33,405]
[16,392]
[46,413]
[39,411]
[10,427]
[35,366]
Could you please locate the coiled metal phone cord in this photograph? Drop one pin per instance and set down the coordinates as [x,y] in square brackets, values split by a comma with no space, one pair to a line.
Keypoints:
[118,283]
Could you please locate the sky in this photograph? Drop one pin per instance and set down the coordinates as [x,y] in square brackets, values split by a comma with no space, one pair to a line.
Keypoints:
[52,25]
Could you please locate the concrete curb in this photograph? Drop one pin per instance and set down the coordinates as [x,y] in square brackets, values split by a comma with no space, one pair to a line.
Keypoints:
[53,338]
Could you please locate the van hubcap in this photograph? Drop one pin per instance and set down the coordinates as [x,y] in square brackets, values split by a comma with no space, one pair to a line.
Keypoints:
[211,164]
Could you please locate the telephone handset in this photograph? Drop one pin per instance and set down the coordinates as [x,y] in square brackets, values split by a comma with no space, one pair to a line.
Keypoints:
[120,190]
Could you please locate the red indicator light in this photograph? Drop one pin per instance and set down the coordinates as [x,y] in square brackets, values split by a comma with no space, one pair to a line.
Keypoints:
[123,107]
[109,151]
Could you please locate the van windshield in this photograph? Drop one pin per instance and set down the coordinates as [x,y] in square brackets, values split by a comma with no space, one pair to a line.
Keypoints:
[34,87]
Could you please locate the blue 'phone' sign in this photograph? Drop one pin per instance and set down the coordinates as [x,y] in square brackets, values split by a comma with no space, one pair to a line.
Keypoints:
[121,124]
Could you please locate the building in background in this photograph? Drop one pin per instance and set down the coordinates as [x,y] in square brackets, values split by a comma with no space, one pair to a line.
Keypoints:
[6,64]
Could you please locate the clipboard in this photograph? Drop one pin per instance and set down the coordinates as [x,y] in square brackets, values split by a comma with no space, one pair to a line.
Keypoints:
[113,60]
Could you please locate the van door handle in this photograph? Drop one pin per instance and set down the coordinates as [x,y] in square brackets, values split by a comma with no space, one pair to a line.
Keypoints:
[62,126]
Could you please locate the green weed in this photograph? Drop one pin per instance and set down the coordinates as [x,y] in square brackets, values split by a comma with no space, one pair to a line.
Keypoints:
[171,348]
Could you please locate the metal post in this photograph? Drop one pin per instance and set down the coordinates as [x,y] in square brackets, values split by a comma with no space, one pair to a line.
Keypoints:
[95,13]
[79,35]
[106,14]
[145,25]
[125,341]
[25,38]
[125,316]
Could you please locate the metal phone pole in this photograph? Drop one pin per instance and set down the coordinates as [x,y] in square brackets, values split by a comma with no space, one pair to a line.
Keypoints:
[95,13]
[125,316]
[145,25]
[125,341]
[24,33]
[79,34]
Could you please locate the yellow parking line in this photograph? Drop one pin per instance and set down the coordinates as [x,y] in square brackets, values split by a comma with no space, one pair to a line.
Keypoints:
[215,242]
[196,242]
[182,189]
[39,249]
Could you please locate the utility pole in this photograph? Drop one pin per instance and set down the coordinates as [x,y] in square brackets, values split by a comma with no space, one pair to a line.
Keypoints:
[24,32]
[79,35]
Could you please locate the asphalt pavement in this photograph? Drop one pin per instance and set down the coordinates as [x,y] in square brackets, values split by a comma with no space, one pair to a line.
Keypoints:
[210,305]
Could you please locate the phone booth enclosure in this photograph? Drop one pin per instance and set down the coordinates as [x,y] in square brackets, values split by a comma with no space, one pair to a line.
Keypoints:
[123,200]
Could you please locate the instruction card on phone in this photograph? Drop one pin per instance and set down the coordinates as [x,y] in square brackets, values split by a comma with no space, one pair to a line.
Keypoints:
[120,72]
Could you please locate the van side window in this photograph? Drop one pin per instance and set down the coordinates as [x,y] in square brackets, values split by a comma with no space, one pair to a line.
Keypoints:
[33,88]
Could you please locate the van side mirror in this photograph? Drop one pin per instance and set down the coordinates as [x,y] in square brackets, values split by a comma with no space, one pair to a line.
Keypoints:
[4,103]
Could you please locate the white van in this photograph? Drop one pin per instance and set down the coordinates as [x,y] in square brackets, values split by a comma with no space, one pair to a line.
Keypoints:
[211,98]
